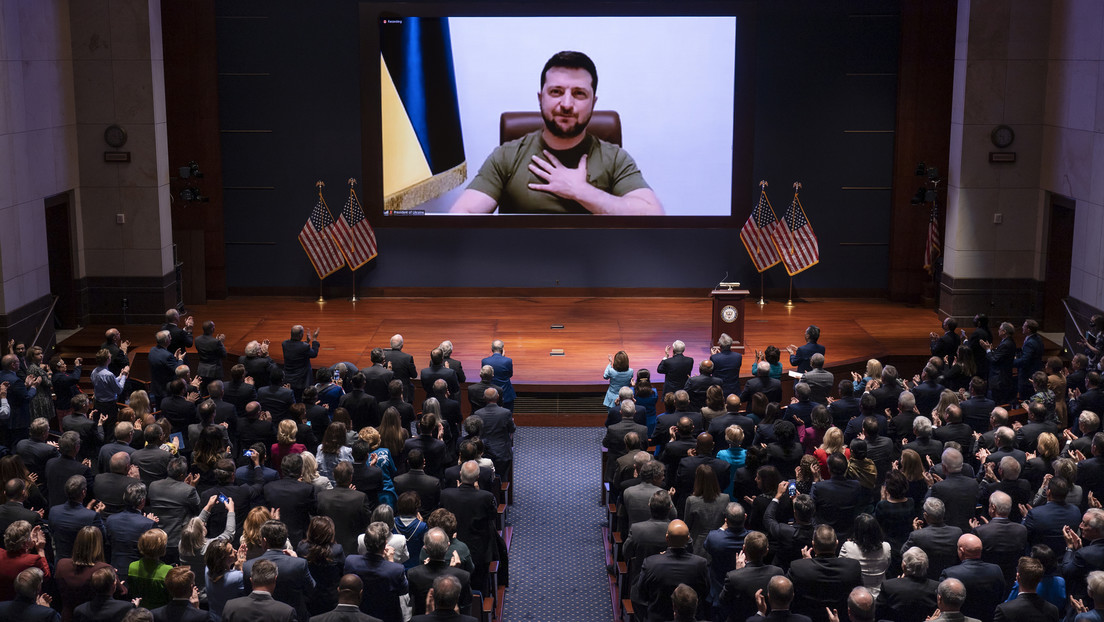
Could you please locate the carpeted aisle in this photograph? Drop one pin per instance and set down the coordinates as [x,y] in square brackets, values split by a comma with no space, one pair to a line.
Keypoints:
[557,563]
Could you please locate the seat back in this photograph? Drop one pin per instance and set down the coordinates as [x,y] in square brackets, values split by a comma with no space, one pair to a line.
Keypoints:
[605,124]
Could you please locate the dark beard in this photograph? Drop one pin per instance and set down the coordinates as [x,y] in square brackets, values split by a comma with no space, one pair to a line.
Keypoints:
[575,130]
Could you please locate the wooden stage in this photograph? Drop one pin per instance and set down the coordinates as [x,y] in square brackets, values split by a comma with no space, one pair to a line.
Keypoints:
[852,330]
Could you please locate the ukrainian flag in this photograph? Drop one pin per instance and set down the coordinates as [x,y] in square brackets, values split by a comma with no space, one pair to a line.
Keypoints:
[423,148]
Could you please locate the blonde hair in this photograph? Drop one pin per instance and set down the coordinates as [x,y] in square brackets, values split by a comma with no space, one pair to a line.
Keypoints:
[370,435]
[310,467]
[1047,446]
[833,441]
[286,431]
[251,530]
[873,369]
[139,402]
[734,434]
[946,398]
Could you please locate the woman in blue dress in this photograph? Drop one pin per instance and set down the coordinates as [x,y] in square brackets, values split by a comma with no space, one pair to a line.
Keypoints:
[646,398]
[619,375]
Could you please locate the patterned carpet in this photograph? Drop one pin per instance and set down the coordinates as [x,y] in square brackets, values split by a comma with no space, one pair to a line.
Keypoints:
[557,563]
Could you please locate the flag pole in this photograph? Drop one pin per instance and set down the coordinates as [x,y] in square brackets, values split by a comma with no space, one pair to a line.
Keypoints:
[352,184]
[789,298]
[762,291]
[320,184]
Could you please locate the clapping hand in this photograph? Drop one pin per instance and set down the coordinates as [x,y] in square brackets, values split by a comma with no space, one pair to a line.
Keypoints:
[1073,541]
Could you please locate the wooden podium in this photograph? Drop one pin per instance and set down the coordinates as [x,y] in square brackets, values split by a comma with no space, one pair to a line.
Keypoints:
[728,315]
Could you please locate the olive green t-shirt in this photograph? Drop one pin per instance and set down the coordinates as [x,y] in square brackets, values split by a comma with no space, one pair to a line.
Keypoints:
[505,176]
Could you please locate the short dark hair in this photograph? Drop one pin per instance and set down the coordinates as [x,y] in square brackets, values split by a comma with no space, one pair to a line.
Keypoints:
[571,60]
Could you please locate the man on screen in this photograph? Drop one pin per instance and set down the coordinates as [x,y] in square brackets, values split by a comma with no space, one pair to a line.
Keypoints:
[561,169]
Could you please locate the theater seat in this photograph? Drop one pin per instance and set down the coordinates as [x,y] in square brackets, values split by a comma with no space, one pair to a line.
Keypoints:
[605,124]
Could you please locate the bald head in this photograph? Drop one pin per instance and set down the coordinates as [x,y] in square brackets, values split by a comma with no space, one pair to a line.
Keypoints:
[969,547]
[396,342]
[678,534]
[497,346]
[860,605]
[780,592]
[119,463]
[469,472]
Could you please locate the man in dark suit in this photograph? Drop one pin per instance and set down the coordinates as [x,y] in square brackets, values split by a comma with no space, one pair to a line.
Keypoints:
[958,492]
[256,427]
[103,607]
[900,426]
[1029,359]
[1084,554]
[60,469]
[613,413]
[820,381]
[396,401]
[503,367]
[823,580]
[377,376]
[789,539]
[676,367]
[402,366]
[179,583]
[437,369]
[945,346]
[384,580]
[846,407]
[276,399]
[938,540]
[837,498]
[928,391]
[362,406]
[294,584]
[1001,386]
[162,365]
[1002,540]
[349,595]
[244,493]
[295,499]
[662,434]
[417,480]
[29,605]
[212,352]
[175,500]
[660,574]
[1027,606]
[762,383]
[37,450]
[1047,523]
[731,417]
[687,467]
[779,595]
[985,585]
[726,364]
[238,391]
[260,605]
[487,479]
[696,386]
[476,515]
[679,447]
[297,359]
[910,597]
[801,358]
[954,429]
[179,338]
[446,594]
[179,406]
[888,394]
[69,518]
[498,433]
[422,576]
[614,440]
[349,508]
[124,528]
[451,363]
[1027,436]
[367,477]
[114,344]
[649,537]
[258,364]
[111,486]
[15,490]
[18,392]
[736,600]
[435,453]
[977,408]
[800,409]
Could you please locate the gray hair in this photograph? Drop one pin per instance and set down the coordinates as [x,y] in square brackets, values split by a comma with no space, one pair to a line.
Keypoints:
[1088,421]
[678,347]
[952,592]
[446,348]
[817,360]
[29,582]
[934,510]
[764,368]
[1009,468]
[1095,519]
[1095,581]
[952,461]
[1000,503]
[626,393]
[922,427]
[436,543]
[264,572]
[724,341]
[162,337]
[914,562]
[628,408]
[253,348]
[906,401]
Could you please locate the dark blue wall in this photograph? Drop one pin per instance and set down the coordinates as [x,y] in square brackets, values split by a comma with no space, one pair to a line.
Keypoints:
[822,68]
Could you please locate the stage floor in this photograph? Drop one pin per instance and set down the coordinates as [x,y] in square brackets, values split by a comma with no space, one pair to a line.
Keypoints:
[852,330]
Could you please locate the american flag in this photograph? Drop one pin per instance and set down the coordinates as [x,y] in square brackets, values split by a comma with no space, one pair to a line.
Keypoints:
[933,247]
[798,243]
[354,234]
[321,250]
[756,234]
